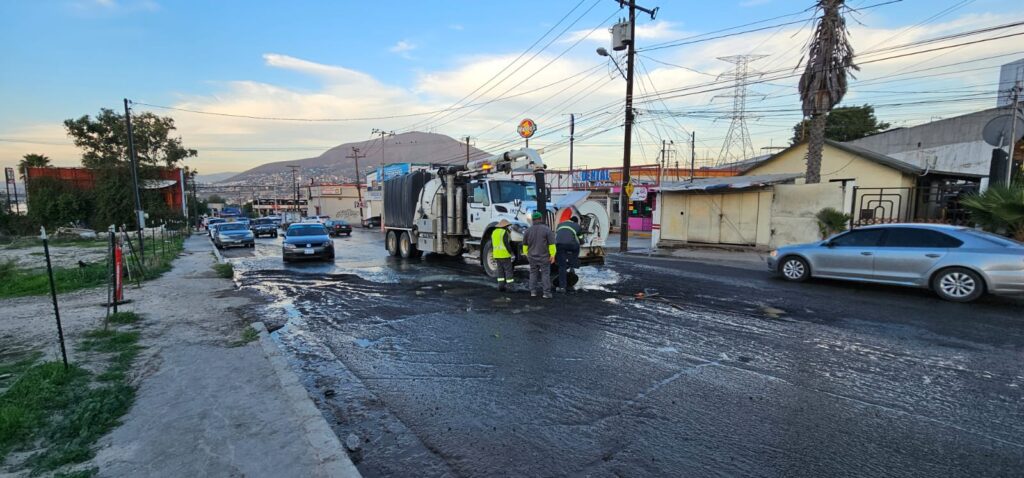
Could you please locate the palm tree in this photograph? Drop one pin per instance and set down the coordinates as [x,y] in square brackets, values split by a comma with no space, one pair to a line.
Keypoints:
[32,160]
[823,83]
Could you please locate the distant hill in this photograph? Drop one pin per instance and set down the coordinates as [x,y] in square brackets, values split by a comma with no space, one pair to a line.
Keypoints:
[214,177]
[333,166]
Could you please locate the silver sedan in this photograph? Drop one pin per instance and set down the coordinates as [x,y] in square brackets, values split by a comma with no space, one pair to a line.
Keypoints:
[957,263]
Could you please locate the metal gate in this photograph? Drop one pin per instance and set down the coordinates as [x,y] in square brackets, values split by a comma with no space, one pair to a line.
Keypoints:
[930,204]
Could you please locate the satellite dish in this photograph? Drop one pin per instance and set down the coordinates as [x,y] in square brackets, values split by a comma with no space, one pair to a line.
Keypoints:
[997,131]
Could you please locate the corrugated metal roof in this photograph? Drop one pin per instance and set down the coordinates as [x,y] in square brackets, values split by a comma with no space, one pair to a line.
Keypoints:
[730,182]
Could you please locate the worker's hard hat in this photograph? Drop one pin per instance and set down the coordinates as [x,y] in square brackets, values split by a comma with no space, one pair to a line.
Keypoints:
[503,223]
[537,215]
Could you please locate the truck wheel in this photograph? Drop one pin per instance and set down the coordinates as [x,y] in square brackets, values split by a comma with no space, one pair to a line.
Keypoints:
[406,247]
[487,260]
[391,243]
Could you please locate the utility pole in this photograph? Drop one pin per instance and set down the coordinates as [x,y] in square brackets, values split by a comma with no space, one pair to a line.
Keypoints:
[572,140]
[693,153]
[467,150]
[359,180]
[383,160]
[628,143]
[134,160]
[1013,133]
[295,184]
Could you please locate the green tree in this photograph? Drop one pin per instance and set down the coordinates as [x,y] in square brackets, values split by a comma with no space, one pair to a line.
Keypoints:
[845,123]
[1000,209]
[823,83]
[215,198]
[104,139]
[53,203]
[32,160]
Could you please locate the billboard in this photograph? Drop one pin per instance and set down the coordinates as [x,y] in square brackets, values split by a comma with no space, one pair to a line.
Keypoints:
[9,173]
[592,176]
[391,171]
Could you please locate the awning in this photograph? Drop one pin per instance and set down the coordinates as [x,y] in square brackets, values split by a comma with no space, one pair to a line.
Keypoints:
[729,182]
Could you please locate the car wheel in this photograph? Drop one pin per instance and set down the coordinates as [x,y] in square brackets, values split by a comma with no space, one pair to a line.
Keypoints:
[958,284]
[391,243]
[794,269]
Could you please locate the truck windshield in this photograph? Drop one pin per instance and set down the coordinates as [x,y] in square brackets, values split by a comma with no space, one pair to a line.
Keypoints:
[508,191]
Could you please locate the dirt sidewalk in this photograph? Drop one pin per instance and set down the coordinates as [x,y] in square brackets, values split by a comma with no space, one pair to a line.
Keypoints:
[207,404]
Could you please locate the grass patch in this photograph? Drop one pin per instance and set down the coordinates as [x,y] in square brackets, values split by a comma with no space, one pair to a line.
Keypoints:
[224,270]
[249,334]
[16,282]
[65,411]
[123,318]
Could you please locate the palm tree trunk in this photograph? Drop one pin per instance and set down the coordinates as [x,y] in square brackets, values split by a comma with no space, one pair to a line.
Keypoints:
[815,147]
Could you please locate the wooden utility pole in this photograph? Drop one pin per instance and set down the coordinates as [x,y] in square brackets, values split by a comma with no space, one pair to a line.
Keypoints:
[628,143]
[693,153]
[134,161]
[359,180]
[467,150]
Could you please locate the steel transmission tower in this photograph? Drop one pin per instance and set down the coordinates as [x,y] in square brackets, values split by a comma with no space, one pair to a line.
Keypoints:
[737,145]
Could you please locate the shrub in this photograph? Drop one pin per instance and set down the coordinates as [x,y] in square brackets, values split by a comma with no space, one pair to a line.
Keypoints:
[831,221]
[1000,210]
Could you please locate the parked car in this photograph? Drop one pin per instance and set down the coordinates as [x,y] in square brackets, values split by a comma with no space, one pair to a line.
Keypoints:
[957,263]
[212,228]
[211,222]
[338,227]
[263,227]
[372,222]
[233,234]
[307,240]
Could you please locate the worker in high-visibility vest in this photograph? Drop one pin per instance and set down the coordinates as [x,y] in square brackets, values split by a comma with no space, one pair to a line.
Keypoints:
[501,249]
[539,248]
[567,245]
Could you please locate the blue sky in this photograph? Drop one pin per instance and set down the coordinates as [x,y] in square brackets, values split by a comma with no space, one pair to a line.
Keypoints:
[317,59]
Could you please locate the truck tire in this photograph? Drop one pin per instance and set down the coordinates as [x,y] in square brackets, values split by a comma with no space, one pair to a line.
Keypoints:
[391,243]
[406,246]
[487,260]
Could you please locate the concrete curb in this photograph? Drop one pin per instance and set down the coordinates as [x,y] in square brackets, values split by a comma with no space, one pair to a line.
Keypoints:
[334,462]
[216,252]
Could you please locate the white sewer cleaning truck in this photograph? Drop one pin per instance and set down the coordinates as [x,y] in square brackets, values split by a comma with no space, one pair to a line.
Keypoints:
[451,210]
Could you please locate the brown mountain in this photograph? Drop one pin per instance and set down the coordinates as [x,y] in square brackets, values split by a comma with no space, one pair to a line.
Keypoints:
[333,166]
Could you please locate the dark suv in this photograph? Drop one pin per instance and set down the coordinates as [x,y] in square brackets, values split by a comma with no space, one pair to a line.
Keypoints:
[263,227]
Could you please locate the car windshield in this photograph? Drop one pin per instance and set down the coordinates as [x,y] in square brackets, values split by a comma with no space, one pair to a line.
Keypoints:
[994,239]
[264,221]
[215,221]
[306,231]
[508,191]
[235,226]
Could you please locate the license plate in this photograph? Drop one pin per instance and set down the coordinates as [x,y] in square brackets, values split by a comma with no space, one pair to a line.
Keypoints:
[308,252]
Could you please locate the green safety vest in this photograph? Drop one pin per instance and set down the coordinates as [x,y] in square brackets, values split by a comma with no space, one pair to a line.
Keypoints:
[498,248]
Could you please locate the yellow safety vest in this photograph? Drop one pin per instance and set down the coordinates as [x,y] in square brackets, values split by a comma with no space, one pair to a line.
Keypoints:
[498,248]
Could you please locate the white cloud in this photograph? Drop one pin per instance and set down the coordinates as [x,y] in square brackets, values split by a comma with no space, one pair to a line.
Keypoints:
[659,30]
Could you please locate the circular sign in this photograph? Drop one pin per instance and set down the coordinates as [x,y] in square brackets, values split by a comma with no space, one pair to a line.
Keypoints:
[526,128]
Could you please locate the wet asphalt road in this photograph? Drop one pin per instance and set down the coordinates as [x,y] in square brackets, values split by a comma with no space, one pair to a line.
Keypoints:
[728,372]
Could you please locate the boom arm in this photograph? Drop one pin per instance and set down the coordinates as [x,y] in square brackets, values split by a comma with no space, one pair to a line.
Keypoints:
[524,158]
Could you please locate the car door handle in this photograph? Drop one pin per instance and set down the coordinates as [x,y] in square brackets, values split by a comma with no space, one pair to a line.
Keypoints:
[866,253]
[933,255]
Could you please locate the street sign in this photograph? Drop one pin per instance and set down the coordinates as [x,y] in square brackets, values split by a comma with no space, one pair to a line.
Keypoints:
[374,195]
[629,189]
[526,128]
[638,194]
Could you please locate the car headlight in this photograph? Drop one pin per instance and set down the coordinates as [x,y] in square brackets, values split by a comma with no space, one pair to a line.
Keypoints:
[774,253]
[289,246]
[328,244]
